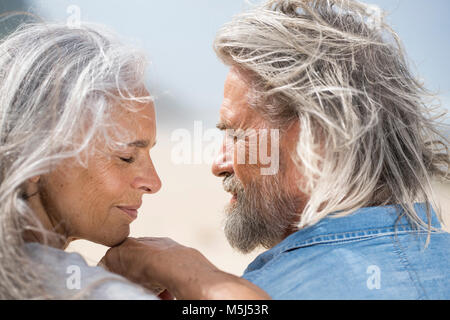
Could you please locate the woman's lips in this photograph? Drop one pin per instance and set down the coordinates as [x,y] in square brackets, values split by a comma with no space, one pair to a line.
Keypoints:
[132,213]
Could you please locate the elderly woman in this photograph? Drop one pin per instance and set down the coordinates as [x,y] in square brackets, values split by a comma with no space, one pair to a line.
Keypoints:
[76,128]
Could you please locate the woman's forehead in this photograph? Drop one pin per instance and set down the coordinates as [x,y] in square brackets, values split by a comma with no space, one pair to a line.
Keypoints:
[135,113]
[138,121]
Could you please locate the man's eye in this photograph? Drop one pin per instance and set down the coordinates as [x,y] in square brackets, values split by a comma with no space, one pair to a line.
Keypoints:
[127,160]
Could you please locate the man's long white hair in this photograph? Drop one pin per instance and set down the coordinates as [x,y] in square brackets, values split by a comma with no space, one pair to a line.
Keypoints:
[58,86]
[369,135]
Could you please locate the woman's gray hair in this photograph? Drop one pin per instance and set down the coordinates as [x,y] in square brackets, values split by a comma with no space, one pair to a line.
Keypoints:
[369,135]
[58,88]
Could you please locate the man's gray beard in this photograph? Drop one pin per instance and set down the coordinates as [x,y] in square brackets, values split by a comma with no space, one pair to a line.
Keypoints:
[261,215]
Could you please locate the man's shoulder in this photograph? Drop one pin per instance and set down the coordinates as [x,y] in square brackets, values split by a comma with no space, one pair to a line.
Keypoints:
[319,271]
[384,265]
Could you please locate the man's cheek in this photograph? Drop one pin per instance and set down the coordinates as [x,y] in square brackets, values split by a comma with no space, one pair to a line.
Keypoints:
[258,155]
[269,152]
[247,174]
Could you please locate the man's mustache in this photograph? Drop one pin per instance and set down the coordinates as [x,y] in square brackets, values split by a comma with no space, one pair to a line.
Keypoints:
[232,185]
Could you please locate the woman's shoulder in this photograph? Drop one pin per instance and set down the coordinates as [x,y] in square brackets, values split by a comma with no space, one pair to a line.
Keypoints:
[67,275]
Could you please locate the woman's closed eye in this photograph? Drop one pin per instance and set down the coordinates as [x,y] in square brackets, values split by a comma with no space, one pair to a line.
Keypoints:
[127,159]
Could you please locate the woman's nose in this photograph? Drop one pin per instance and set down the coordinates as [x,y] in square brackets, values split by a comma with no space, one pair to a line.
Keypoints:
[223,164]
[148,180]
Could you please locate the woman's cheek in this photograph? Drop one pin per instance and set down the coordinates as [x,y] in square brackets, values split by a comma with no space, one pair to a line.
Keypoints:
[98,220]
[115,184]
[100,192]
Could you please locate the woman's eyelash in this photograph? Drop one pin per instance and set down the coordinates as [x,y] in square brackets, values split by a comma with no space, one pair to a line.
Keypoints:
[127,160]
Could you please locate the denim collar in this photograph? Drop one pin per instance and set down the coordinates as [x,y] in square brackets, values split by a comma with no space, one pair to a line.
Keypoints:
[363,224]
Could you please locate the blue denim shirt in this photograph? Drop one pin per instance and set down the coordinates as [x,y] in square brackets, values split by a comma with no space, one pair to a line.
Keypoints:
[365,255]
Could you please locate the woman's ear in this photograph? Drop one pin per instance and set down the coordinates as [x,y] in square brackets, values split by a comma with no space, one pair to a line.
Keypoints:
[34,179]
[30,187]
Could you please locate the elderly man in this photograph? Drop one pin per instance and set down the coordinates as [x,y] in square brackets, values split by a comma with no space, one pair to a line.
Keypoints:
[348,212]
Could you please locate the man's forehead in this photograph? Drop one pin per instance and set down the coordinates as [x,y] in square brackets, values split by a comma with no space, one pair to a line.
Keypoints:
[227,110]
[235,107]
[236,84]
[239,117]
[234,76]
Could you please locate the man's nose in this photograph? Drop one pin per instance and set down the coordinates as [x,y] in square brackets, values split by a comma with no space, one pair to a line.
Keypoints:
[148,180]
[223,164]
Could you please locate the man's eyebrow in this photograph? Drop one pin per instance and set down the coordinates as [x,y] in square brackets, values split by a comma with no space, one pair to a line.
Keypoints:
[223,126]
[141,143]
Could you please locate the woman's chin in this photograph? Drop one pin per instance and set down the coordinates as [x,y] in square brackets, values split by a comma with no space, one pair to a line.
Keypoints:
[113,243]
[116,240]
[113,238]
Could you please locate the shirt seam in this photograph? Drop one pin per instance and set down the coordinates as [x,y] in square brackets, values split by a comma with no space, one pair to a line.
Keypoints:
[398,249]
[269,263]
[351,236]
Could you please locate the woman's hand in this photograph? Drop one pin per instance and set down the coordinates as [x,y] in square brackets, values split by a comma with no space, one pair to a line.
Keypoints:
[184,272]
